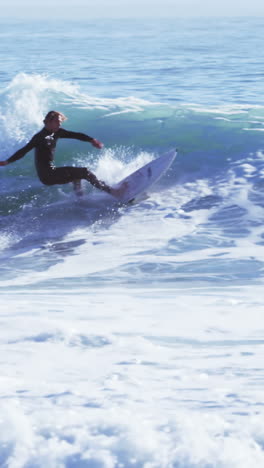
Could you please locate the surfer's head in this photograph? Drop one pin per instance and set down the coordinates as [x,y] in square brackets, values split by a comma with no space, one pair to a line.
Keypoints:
[53,120]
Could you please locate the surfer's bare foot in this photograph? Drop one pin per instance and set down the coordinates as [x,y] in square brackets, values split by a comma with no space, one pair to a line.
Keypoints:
[118,192]
[77,186]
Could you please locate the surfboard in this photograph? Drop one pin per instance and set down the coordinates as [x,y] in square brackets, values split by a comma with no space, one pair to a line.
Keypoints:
[142,179]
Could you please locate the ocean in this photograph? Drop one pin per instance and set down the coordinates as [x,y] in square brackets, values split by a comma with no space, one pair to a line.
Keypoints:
[133,336]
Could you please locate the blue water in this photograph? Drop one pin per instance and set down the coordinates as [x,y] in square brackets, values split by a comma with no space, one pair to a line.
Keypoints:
[123,329]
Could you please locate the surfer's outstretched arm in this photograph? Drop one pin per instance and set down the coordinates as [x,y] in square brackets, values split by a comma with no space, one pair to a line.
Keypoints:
[20,153]
[80,136]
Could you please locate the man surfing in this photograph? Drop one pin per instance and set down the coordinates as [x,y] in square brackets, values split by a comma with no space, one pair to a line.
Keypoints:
[44,143]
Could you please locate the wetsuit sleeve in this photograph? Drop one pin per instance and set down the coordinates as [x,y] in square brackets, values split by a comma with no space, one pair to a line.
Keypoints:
[74,135]
[22,151]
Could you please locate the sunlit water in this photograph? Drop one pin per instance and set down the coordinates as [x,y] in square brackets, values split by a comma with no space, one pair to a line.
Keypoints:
[133,336]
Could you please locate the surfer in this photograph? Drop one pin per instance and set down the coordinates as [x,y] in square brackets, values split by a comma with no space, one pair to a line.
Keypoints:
[44,143]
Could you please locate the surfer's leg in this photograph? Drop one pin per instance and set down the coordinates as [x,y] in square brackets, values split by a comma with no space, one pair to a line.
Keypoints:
[64,175]
[60,175]
[97,183]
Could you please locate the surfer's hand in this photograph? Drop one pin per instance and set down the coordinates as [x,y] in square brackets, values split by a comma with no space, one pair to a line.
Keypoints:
[97,143]
[3,163]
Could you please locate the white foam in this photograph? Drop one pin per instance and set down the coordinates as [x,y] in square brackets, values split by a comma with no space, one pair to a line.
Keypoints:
[113,165]
[101,381]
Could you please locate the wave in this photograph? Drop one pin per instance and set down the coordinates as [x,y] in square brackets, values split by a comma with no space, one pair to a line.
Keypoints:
[220,150]
[127,120]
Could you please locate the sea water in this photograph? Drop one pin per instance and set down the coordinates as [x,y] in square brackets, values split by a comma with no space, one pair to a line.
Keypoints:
[133,336]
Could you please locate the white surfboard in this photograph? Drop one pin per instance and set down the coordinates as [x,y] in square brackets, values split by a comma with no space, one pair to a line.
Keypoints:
[141,180]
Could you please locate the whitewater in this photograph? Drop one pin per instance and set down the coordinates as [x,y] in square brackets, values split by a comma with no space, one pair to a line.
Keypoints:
[132,336]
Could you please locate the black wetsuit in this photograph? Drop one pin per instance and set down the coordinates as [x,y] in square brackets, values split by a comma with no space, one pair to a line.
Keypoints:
[44,143]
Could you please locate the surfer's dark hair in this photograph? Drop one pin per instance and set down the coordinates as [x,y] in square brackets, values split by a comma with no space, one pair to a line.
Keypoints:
[52,114]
